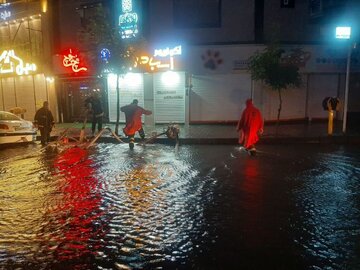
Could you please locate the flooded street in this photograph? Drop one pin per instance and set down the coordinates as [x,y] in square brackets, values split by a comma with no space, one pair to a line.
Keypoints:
[202,207]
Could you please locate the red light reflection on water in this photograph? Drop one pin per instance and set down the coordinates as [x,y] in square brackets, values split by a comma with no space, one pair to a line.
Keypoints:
[253,187]
[79,207]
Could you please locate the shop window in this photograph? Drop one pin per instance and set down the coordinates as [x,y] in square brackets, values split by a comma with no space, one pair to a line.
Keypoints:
[197,13]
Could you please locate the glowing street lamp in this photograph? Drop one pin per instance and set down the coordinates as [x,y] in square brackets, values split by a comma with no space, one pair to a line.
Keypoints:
[344,32]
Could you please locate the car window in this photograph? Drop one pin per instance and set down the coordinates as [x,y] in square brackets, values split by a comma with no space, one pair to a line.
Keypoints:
[8,116]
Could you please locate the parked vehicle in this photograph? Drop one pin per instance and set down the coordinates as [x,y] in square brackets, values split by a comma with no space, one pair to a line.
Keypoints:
[14,129]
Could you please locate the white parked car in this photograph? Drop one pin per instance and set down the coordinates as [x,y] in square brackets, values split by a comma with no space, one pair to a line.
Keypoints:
[14,129]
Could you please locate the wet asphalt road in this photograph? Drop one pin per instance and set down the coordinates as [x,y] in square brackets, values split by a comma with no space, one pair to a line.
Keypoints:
[201,207]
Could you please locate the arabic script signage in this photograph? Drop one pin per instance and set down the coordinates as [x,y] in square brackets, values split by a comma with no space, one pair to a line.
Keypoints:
[4,14]
[71,60]
[12,64]
[128,20]
[163,59]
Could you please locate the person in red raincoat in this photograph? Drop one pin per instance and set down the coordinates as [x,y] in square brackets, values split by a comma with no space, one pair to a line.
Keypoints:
[249,126]
[133,114]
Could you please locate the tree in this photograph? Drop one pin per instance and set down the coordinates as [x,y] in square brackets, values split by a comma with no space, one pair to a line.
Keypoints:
[275,70]
[99,32]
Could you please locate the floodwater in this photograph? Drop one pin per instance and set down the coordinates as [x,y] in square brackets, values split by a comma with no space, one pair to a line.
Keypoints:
[202,207]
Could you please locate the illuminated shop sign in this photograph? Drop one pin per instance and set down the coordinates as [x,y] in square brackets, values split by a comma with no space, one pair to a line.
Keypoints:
[162,59]
[105,55]
[168,52]
[4,14]
[71,60]
[128,20]
[12,64]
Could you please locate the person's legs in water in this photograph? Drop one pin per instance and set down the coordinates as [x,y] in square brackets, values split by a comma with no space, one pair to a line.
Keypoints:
[251,150]
[141,133]
[42,135]
[47,132]
[99,123]
[93,125]
[131,141]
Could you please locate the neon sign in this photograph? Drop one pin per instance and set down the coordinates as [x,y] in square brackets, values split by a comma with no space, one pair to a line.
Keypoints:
[154,63]
[73,61]
[4,14]
[128,20]
[168,52]
[10,63]
[105,55]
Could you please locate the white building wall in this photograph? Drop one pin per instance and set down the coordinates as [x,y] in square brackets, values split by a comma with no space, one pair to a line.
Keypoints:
[218,98]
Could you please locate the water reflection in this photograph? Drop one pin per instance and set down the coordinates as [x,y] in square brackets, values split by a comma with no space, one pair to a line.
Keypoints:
[327,199]
[209,207]
[155,205]
[24,200]
[253,204]
[75,232]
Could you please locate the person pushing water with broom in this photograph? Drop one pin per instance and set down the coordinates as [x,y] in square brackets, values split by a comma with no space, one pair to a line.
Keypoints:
[93,105]
[133,114]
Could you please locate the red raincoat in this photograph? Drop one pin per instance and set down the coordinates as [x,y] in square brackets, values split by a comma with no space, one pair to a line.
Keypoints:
[133,114]
[249,125]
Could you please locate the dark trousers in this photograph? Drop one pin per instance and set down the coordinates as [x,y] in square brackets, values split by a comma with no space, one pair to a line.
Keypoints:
[45,134]
[96,120]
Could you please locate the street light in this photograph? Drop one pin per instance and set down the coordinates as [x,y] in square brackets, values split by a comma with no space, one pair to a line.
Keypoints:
[344,32]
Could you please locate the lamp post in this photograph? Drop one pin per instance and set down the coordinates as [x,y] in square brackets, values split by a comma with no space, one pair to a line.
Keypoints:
[344,32]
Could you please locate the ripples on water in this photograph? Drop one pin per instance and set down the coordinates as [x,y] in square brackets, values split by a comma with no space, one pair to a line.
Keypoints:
[327,222]
[205,207]
[107,207]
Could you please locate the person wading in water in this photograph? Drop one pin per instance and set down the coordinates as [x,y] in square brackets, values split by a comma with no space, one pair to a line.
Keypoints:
[133,114]
[249,126]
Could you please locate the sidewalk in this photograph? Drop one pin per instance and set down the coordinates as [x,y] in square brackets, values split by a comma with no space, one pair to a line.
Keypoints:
[226,134]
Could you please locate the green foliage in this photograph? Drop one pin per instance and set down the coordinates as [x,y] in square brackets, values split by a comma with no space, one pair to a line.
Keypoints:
[269,67]
[98,33]
[275,70]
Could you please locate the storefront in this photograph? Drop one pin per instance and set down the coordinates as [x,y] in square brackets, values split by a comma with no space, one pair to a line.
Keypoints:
[75,82]
[161,88]
[220,83]
[24,80]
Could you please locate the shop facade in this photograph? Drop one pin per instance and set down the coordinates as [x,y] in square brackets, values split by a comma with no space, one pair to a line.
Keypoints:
[24,79]
[221,83]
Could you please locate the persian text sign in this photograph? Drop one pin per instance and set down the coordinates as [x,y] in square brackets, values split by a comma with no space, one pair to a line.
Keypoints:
[154,63]
[71,60]
[4,14]
[12,64]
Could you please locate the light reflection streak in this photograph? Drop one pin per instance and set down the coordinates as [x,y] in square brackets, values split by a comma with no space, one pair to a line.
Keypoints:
[23,205]
[78,206]
[253,187]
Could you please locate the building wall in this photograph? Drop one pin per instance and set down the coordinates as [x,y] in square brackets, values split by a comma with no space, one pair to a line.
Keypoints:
[237,24]
[27,33]
[291,25]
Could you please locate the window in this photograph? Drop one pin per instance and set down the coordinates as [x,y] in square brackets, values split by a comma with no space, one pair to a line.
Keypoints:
[197,13]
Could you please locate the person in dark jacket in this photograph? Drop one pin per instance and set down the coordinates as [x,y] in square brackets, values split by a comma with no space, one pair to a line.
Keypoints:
[93,105]
[44,121]
[133,114]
